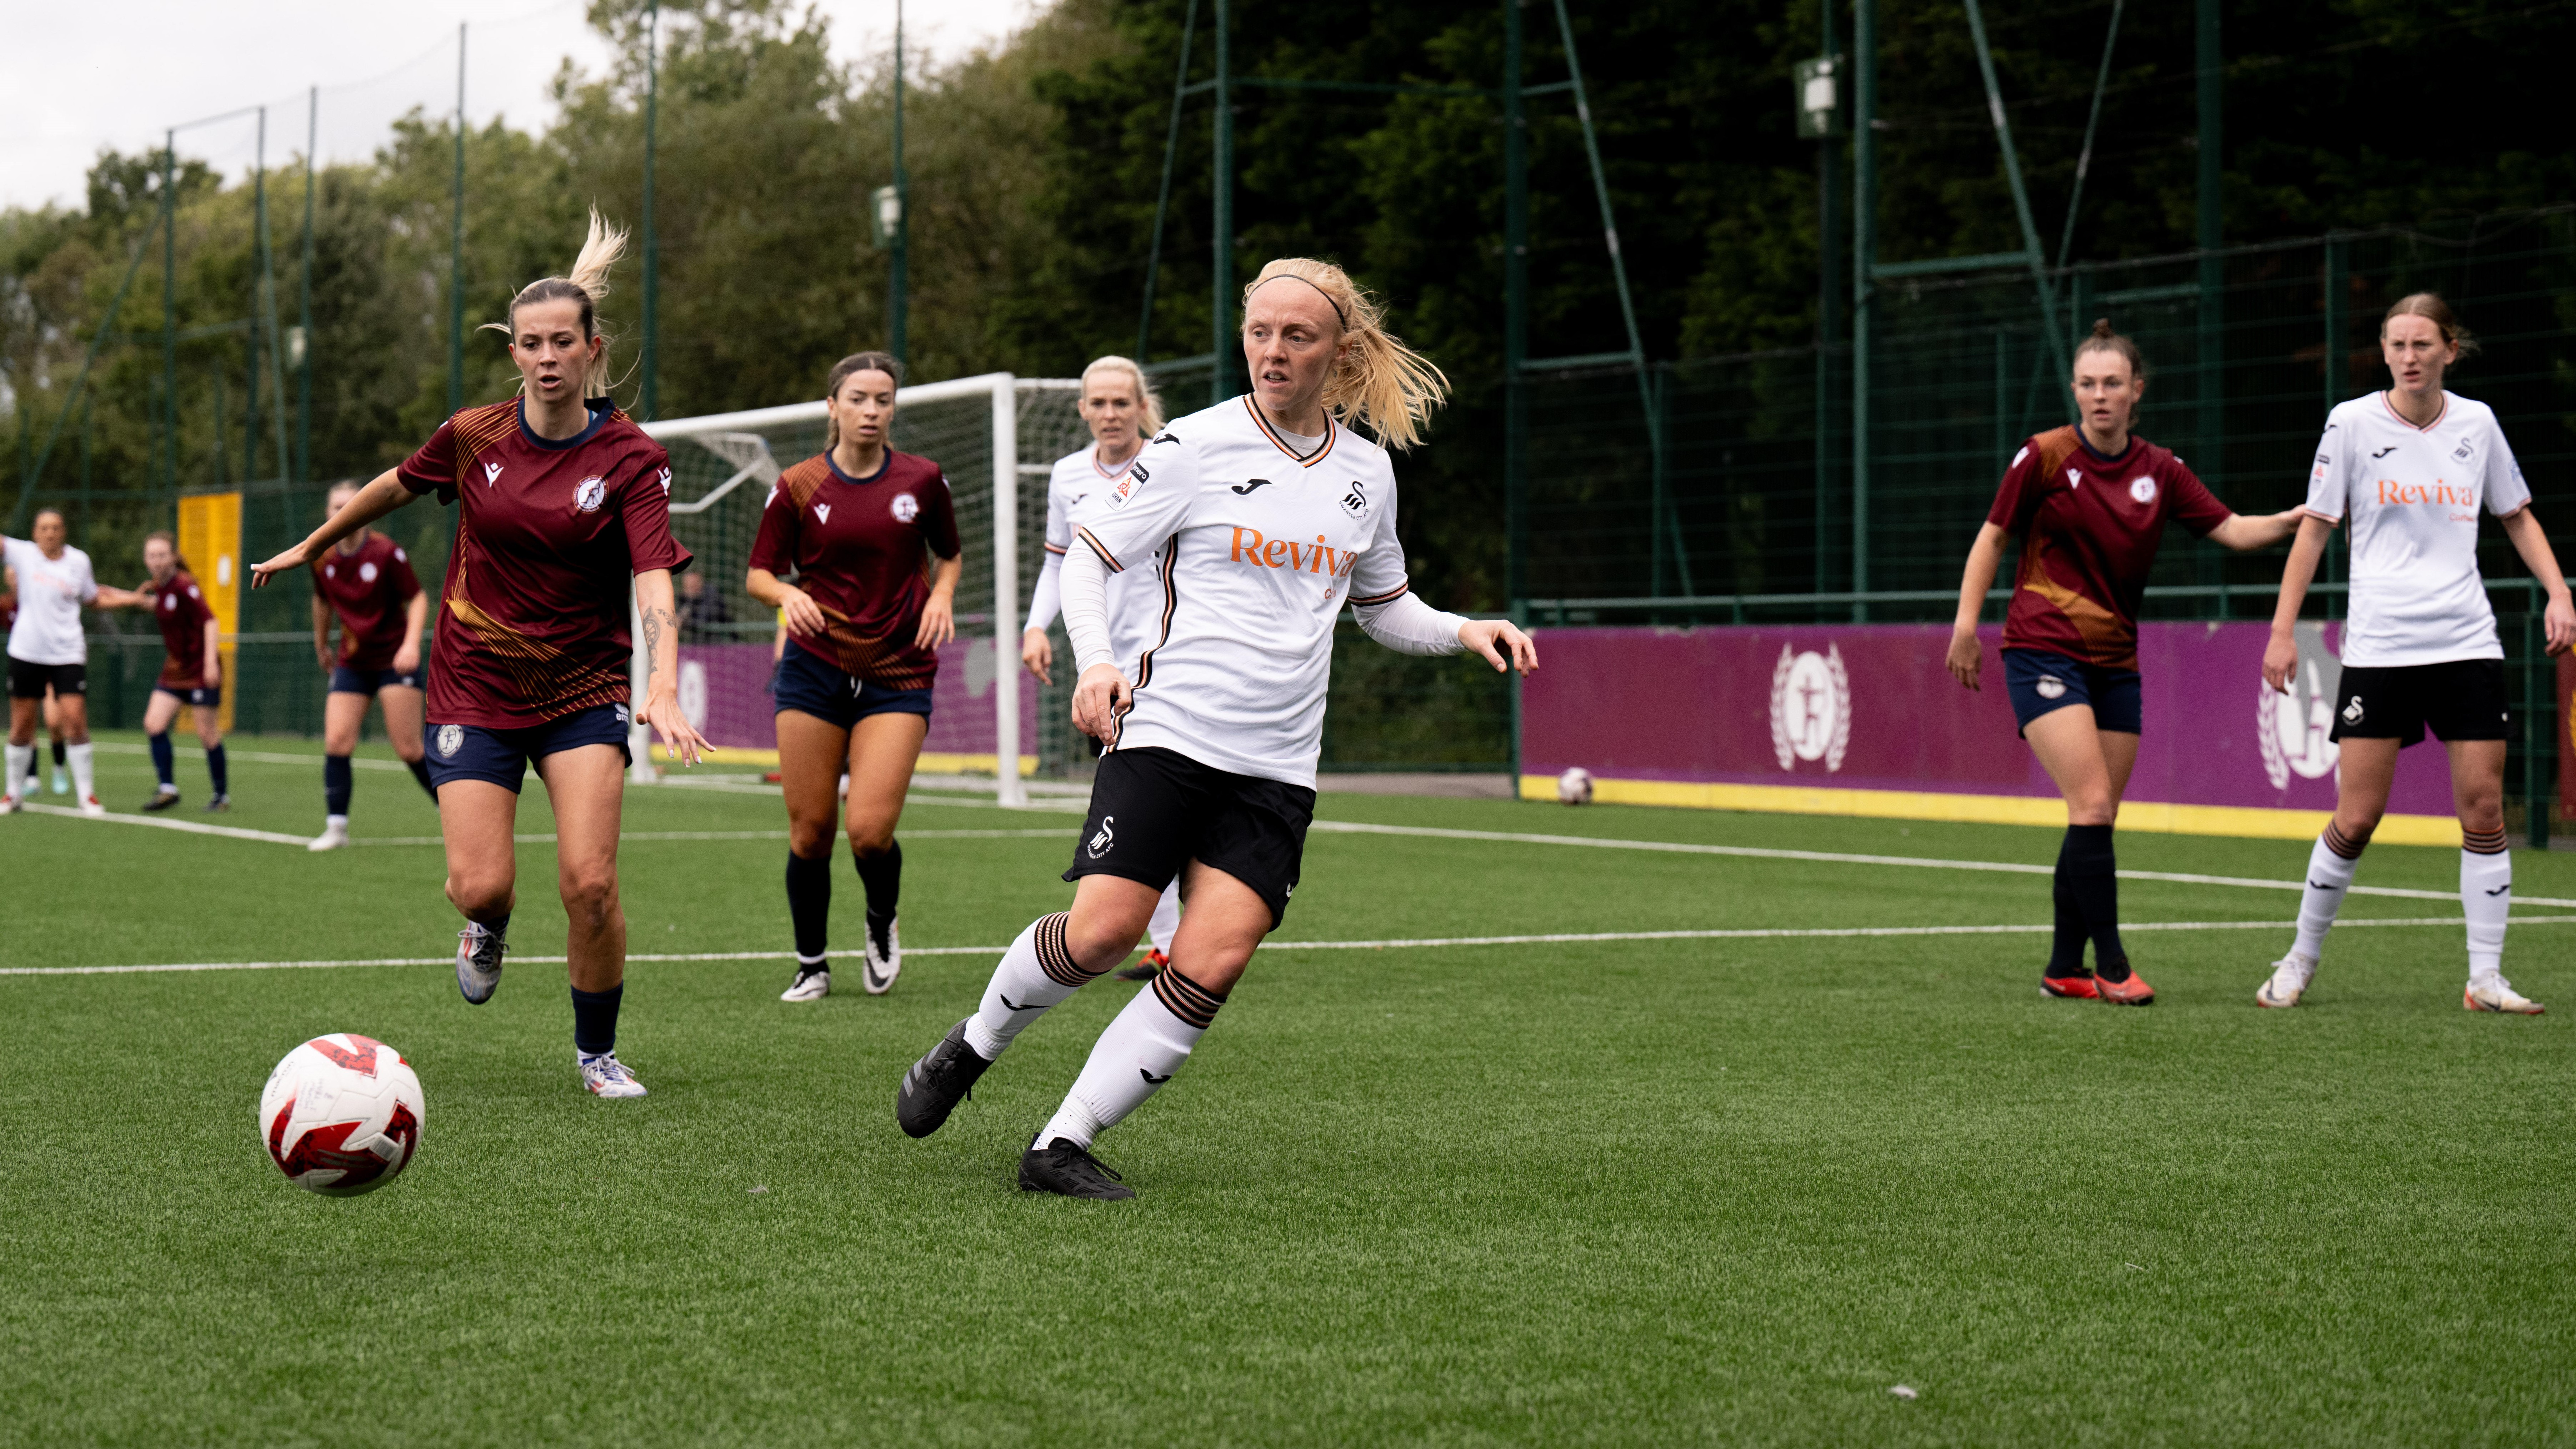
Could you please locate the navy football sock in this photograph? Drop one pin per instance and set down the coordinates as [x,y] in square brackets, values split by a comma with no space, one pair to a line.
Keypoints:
[336,781]
[882,874]
[594,1020]
[217,770]
[809,905]
[2090,871]
[160,744]
[59,756]
[2066,948]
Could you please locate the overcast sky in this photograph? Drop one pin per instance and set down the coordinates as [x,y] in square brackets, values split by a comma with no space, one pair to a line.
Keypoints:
[75,77]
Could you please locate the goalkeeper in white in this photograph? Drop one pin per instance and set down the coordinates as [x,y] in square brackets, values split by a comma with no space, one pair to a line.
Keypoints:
[1264,517]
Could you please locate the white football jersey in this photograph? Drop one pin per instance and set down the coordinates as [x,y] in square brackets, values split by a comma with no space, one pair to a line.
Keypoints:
[1135,596]
[50,595]
[1260,550]
[2411,497]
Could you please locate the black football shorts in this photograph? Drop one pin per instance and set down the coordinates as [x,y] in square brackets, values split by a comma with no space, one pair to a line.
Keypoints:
[2461,699]
[1154,810]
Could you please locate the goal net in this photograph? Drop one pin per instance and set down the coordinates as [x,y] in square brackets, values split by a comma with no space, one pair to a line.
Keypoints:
[996,436]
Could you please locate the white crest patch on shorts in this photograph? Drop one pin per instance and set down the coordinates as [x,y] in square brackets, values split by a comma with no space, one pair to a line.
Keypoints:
[591,493]
[906,508]
[2143,489]
[451,738]
[366,573]
[2050,686]
[1105,839]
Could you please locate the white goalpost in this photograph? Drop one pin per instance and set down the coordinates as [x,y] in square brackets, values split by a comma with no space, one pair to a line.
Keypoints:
[996,436]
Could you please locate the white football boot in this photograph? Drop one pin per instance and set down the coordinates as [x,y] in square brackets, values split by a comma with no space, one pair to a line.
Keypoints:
[2498,995]
[606,1076]
[810,985]
[478,962]
[2289,980]
[878,968]
[334,836]
[90,807]
[8,804]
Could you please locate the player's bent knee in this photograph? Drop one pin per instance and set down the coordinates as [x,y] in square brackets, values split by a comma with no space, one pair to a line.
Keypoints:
[589,892]
[479,896]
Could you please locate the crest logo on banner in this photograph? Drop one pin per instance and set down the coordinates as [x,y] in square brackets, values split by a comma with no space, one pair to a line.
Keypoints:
[1810,707]
[2292,728]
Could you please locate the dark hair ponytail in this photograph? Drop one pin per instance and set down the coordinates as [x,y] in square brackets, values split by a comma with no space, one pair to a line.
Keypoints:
[856,362]
[2431,307]
[2103,339]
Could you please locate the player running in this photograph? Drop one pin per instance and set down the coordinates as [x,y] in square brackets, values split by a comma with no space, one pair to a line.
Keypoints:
[48,650]
[871,536]
[192,671]
[1123,411]
[2409,468]
[1264,517]
[366,580]
[2089,504]
[563,506]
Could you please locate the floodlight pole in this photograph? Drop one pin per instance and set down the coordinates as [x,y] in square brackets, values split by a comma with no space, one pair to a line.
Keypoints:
[1828,299]
[898,270]
[1221,244]
[2212,275]
[304,319]
[1864,258]
[648,392]
[456,248]
[170,311]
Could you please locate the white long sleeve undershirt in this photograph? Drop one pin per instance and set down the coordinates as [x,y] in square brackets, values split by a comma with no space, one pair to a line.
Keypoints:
[1407,625]
[1047,597]
[1085,588]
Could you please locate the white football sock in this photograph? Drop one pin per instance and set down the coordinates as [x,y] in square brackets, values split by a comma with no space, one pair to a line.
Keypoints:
[336,822]
[1036,973]
[84,771]
[2330,872]
[2486,897]
[1167,918]
[22,762]
[1133,1058]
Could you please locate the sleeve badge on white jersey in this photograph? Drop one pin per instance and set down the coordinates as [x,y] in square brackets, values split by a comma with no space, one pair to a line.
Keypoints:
[1126,488]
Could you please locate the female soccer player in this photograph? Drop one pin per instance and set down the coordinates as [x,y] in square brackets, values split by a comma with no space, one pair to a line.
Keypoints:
[1265,517]
[2410,467]
[48,650]
[2089,503]
[562,508]
[1123,411]
[871,536]
[366,580]
[192,670]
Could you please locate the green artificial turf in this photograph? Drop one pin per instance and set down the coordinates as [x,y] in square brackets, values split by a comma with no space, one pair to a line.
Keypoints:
[1601,1192]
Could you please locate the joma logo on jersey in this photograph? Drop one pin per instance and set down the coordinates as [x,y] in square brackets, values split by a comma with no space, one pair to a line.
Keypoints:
[2438,493]
[1278,553]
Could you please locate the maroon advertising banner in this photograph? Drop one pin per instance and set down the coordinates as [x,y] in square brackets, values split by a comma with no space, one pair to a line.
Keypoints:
[1865,719]
[724,690]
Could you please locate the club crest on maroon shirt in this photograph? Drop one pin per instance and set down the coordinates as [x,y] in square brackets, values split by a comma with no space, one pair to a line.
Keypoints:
[591,493]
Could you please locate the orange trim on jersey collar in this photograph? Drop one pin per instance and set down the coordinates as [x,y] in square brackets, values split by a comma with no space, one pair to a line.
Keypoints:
[1104,473]
[2401,417]
[1330,433]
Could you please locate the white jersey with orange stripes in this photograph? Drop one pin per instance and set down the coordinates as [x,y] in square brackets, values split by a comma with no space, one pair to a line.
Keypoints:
[1074,490]
[2412,496]
[1262,539]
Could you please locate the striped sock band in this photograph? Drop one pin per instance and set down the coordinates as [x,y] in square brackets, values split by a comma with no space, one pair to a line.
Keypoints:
[1186,999]
[2350,846]
[2483,842]
[1055,956]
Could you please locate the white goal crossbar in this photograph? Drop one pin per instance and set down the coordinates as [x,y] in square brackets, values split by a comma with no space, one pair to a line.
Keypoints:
[737,439]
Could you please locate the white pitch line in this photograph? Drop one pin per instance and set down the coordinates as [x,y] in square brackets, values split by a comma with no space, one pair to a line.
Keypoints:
[193,827]
[1756,852]
[1059,834]
[1547,939]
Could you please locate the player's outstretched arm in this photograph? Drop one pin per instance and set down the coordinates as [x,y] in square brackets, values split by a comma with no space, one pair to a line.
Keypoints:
[1985,558]
[110,597]
[2559,618]
[372,502]
[2241,533]
[653,604]
[2281,656]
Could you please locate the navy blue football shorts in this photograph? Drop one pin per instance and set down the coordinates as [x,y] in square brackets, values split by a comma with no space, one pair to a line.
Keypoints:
[201,695]
[2043,683]
[811,685]
[471,752]
[345,680]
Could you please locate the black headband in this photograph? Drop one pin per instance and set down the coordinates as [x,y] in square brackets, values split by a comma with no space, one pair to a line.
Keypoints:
[1338,315]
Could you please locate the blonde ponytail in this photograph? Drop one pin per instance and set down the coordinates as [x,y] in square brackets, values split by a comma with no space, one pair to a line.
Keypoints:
[1149,403]
[1380,383]
[601,248]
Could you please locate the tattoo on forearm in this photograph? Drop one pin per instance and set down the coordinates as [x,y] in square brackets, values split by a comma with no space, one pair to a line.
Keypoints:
[656,620]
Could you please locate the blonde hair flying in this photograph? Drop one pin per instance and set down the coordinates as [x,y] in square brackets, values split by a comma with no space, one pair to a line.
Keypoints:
[1149,403]
[1380,383]
[600,249]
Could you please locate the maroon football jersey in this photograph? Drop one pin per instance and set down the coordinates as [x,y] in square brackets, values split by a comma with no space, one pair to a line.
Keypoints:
[861,547]
[548,538]
[371,590]
[179,607]
[2089,528]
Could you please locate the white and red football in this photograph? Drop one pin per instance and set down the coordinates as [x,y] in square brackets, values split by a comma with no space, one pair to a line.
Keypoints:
[341,1115]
